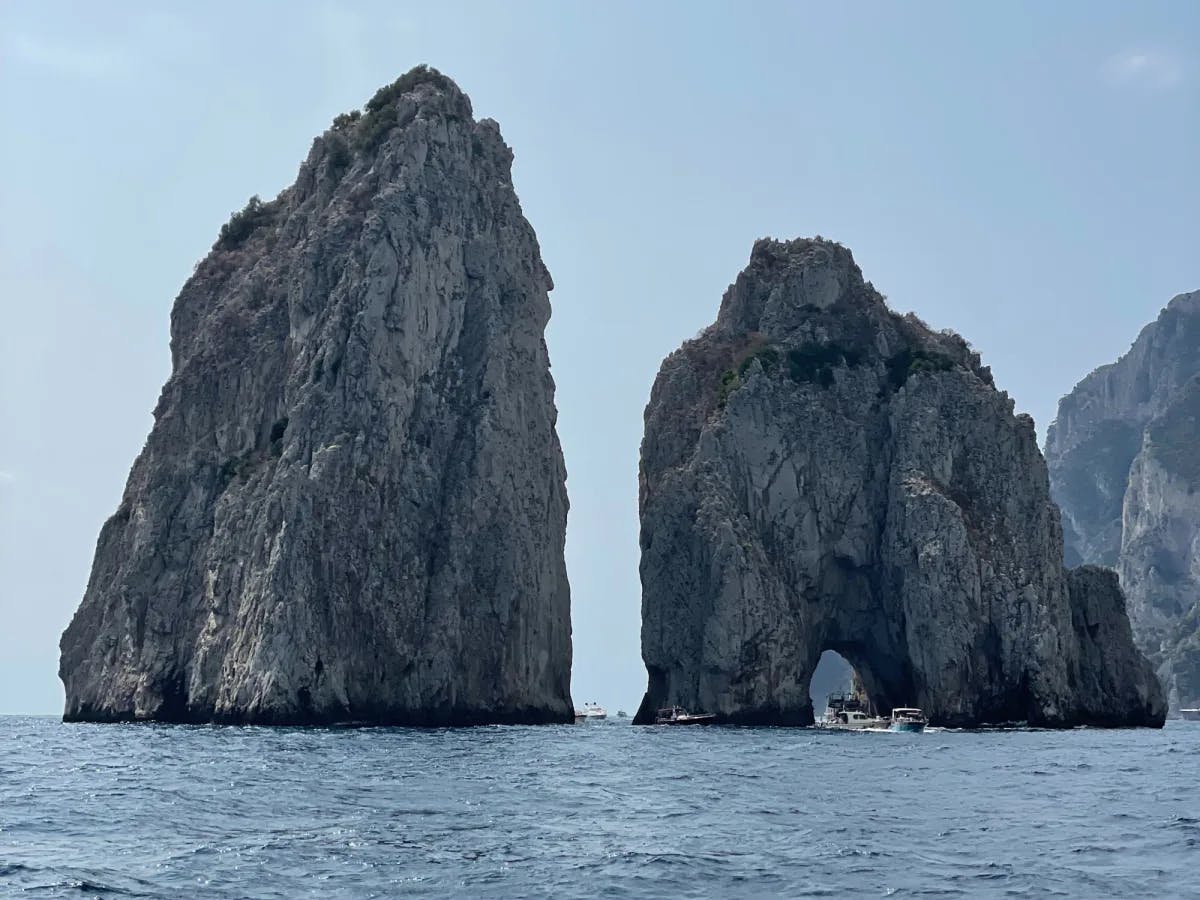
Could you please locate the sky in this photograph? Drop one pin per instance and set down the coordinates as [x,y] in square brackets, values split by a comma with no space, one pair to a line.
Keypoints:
[1024,173]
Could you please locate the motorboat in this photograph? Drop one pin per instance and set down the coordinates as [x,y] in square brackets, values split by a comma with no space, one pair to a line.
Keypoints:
[1193,714]
[677,715]
[908,718]
[591,712]
[848,712]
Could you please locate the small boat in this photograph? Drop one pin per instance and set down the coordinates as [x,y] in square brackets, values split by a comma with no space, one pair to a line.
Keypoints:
[1193,714]
[907,718]
[848,714]
[621,714]
[677,715]
[591,712]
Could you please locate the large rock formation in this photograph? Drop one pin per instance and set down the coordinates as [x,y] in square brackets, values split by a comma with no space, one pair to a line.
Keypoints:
[819,472]
[1124,458]
[351,506]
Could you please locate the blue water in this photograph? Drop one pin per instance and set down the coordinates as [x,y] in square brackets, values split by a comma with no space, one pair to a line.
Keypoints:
[597,810]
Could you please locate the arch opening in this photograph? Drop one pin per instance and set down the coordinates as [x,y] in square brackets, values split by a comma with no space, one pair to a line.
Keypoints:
[833,675]
[881,681]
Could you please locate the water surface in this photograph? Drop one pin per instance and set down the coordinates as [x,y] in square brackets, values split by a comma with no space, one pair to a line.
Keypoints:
[597,810]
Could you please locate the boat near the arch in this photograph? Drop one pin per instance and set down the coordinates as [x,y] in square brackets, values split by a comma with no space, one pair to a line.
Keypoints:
[908,718]
[846,712]
[591,712]
[677,715]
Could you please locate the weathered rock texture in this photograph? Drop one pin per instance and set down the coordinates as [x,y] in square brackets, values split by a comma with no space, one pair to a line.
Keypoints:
[1124,458]
[819,472]
[351,506]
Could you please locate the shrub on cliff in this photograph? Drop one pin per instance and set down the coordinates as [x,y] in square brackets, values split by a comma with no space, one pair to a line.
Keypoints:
[375,127]
[814,363]
[907,363]
[421,74]
[730,382]
[768,358]
[244,223]
[381,116]
[340,156]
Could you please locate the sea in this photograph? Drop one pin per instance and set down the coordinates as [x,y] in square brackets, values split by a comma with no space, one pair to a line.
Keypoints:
[603,809]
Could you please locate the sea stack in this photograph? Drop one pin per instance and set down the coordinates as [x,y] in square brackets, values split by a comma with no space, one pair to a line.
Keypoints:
[819,472]
[1124,458]
[352,505]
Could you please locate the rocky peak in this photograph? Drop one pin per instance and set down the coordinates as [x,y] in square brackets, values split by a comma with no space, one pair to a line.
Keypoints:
[1139,385]
[785,281]
[1122,456]
[821,473]
[352,504]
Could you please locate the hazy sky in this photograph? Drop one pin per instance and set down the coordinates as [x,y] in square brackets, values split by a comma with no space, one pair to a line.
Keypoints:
[1025,173]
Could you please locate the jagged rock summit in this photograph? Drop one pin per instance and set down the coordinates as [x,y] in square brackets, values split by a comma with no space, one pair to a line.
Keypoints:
[352,504]
[818,473]
[1124,458]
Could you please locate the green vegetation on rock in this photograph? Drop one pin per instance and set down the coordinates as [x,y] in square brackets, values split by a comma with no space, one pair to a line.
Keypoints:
[814,363]
[768,357]
[417,75]
[381,115]
[907,363]
[244,223]
[730,382]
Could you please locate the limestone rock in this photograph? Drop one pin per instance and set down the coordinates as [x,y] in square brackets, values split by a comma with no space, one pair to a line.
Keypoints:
[352,503]
[818,473]
[1124,460]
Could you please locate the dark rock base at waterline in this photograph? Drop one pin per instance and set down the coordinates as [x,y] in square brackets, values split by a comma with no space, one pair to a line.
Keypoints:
[798,718]
[361,719]
[801,718]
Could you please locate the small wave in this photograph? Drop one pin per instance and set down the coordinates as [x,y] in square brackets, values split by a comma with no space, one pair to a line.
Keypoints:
[1184,823]
[82,886]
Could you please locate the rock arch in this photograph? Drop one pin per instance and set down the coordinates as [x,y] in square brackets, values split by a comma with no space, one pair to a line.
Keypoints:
[820,472]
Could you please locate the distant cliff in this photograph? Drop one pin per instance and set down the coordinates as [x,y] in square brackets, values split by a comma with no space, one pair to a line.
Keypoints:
[352,503]
[819,472]
[1124,458]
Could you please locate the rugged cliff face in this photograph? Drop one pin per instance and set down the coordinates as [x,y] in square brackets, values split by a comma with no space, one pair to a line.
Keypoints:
[352,503]
[1124,458]
[821,473]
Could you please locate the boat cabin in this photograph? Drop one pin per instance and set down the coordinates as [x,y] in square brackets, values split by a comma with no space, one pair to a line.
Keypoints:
[853,717]
[844,703]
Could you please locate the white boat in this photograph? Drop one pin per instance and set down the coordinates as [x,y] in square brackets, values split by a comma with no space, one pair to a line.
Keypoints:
[1193,714]
[591,712]
[847,713]
[852,720]
[908,718]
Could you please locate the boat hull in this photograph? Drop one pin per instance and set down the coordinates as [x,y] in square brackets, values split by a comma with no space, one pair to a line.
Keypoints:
[1190,714]
[907,727]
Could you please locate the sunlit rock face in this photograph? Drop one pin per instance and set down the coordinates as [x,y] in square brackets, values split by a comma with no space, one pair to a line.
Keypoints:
[352,503]
[819,472]
[1124,458]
